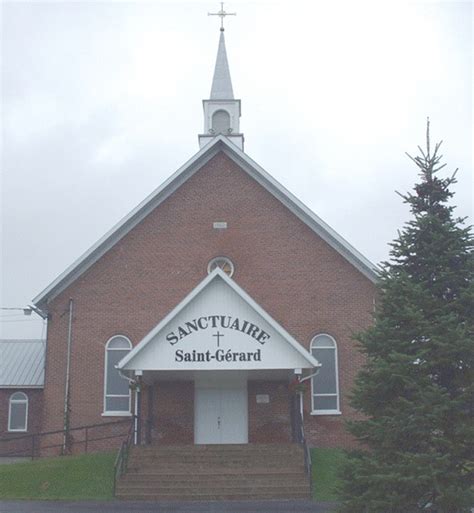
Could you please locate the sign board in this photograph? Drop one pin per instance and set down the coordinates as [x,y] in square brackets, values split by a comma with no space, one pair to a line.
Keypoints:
[217,328]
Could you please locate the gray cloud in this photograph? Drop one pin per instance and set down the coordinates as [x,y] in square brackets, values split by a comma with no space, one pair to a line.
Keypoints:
[102,102]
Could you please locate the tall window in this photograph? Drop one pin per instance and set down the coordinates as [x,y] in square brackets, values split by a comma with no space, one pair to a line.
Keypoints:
[117,392]
[325,386]
[18,412]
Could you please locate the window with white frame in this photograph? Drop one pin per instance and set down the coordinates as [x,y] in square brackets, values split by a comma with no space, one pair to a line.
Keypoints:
[325,386]
[116,388]
[18,412]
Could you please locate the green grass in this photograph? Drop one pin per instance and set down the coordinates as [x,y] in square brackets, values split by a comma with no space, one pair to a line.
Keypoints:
[326,465]
[89,476]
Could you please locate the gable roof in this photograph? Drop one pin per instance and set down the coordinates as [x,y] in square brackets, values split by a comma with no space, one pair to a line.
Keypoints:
[219,143]
[22,363]
[217,274]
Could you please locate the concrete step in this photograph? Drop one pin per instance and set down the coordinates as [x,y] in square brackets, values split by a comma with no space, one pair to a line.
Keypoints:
[208,487]
[209,449]
[218,476]
[250,482]
[214,457]
[186,462]
[215,472]
[274,495]
[214,469]
[218,447]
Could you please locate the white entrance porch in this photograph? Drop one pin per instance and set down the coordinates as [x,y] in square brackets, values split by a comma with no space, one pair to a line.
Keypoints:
[208,354]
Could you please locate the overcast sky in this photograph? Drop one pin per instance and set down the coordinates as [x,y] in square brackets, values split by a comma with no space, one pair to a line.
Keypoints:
[101,103]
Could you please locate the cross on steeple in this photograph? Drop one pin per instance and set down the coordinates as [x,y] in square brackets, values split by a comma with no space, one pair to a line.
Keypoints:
[222,14]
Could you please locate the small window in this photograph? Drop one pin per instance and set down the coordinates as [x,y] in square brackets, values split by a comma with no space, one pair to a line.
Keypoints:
[18,412]
[221,122]
[224,263]
[325,386]
[117,394]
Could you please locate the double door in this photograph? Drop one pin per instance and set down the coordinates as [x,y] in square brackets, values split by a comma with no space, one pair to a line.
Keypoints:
[221,414]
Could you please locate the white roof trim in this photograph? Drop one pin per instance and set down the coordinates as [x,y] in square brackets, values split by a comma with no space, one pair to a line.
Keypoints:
[220,142]
[218,273]
[303,212]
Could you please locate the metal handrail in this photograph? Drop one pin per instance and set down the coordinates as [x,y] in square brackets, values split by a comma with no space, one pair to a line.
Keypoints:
[301,439]
[36,437]
[121,461]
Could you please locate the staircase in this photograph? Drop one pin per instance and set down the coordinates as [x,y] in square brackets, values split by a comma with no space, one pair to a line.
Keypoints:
[215,472]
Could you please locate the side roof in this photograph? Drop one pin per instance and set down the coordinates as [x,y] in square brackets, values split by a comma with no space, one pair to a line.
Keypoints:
[219,143]
[22,363]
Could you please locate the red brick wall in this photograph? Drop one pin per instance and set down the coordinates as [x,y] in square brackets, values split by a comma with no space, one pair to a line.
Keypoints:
[173,413]
[293,274]
[35,409]
[269,422]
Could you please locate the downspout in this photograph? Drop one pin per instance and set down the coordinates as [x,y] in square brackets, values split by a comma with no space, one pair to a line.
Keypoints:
[136,386]
[68,379]
[301,395]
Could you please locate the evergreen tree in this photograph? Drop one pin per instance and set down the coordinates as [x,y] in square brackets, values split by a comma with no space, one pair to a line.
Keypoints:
[415,390]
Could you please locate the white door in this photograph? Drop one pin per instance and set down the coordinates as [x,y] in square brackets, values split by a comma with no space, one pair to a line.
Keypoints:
[220,415]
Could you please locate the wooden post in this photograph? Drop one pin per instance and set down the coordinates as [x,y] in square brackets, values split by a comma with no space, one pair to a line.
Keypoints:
[149,422]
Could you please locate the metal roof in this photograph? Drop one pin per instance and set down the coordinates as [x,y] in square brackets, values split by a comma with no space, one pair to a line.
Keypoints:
[22,363]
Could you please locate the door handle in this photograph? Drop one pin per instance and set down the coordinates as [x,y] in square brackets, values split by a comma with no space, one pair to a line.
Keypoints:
[218,422]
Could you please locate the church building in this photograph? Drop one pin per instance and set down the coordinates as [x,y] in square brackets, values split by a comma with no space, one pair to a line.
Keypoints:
[205,311]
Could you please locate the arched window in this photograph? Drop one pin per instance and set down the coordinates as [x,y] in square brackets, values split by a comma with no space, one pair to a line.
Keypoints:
[325,386]
[116,388]
[18,412]
[221,122]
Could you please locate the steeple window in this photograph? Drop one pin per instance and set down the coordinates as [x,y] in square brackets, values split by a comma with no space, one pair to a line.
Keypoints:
[221,122]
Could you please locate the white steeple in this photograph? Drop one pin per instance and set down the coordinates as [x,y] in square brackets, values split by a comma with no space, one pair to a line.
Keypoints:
[221,83]
[221,111]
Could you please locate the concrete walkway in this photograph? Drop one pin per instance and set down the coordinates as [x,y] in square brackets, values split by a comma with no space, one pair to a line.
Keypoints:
[166,507]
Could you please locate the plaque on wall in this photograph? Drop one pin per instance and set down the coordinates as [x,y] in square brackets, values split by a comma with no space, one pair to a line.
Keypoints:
[263,398]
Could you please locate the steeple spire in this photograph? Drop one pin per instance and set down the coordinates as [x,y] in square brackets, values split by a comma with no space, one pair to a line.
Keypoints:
[222,110]
[221,83]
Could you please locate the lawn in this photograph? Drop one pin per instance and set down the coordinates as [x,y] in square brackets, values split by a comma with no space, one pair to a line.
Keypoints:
[326,464]
[89,476]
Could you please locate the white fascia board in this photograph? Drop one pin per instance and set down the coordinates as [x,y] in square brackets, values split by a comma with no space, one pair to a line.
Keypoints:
[174,182]
[303,212]
[218,273]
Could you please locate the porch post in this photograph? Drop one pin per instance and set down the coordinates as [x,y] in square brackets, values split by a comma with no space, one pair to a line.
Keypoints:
[149,421]
[137,410]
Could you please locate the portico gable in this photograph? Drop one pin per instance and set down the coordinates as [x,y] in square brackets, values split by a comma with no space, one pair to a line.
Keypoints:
[218,326]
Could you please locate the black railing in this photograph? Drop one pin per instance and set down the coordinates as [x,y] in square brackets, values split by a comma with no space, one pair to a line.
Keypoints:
[80,439]
[299,437]
[121,461]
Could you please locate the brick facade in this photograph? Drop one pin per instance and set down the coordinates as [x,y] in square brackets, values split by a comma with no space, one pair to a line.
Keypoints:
[303,283]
